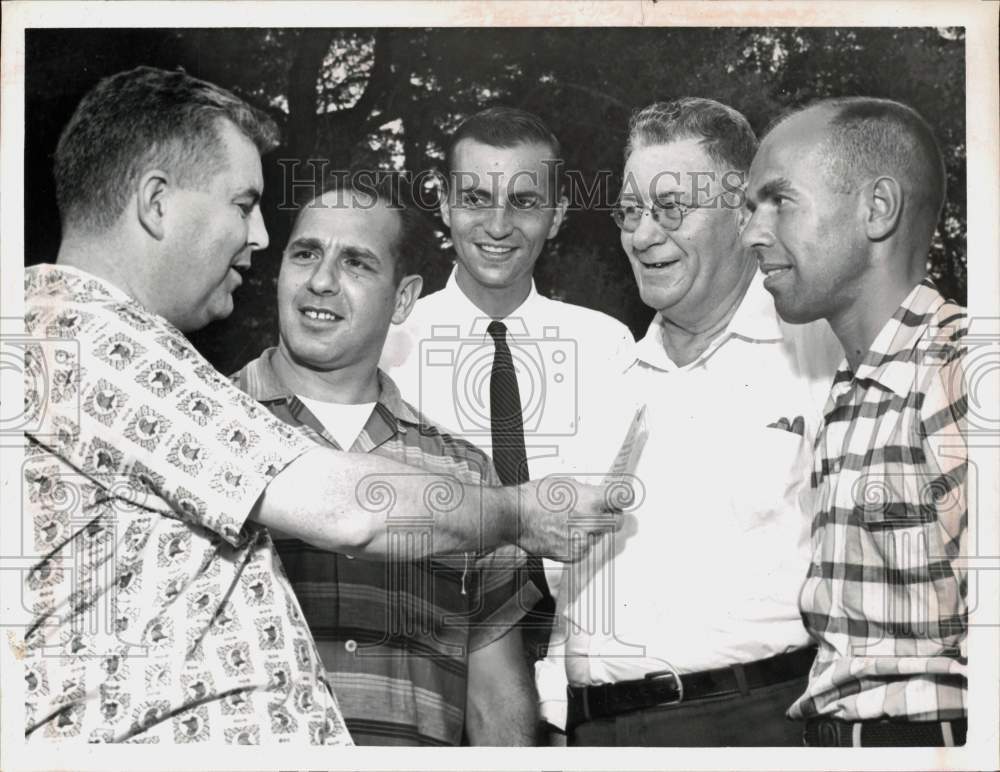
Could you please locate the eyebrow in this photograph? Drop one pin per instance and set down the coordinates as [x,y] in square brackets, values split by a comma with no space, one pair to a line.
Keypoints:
[511,194]
[772,188]
[252,193]
[317,245]
[306,242]
[352,250]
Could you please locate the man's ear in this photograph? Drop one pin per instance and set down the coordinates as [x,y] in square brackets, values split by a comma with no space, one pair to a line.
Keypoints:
[560,213]
[151,195]
[742,218]
[445,208]
[406,297]
[883,208]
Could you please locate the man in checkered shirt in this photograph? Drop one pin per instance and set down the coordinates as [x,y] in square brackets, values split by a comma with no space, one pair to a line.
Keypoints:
[845,196]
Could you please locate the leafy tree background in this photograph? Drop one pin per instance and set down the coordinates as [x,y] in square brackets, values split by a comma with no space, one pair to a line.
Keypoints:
[388,99]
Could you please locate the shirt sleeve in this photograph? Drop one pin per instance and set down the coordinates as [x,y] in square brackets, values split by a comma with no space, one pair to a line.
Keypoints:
[551,681]
[133,406]
[505,595]
[943,416]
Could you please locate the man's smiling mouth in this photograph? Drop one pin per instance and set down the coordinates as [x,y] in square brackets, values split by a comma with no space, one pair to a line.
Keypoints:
[495,249]
[322,315]
[662,264]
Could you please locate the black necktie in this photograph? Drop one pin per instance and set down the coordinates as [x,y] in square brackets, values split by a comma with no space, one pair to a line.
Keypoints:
[505,412]
[511,462]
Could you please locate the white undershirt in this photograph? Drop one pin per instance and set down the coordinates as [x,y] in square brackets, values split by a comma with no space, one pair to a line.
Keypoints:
[344,422]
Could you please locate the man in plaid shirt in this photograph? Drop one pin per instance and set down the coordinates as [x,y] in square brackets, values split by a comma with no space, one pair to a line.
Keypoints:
[885,595]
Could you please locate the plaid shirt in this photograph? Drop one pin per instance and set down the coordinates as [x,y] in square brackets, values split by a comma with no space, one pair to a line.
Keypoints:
[885,595]
[395,637]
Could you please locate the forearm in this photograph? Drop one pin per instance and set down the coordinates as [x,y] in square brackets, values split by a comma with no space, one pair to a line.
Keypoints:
[370,506]
[502,707]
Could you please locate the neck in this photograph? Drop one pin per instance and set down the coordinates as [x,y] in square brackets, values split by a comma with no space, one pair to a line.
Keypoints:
[350,385]
[894,272]
[102,256]
[857,327]
[686,338]
[495,302]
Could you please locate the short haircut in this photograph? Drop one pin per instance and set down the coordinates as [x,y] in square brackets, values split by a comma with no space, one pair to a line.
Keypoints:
[139,120]
[868,136]
[507,127]
[413,246]
[724,133]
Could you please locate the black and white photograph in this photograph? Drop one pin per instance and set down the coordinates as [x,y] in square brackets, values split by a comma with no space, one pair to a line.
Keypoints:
[614,384]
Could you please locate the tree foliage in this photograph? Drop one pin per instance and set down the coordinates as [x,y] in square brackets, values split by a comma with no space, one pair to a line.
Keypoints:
[389,98]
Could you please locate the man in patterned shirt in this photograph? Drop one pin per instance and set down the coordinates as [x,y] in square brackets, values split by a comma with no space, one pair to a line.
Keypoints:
[415,653]
[845,197]
[156,610]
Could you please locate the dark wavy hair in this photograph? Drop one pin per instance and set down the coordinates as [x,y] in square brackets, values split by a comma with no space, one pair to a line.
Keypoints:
[725,133]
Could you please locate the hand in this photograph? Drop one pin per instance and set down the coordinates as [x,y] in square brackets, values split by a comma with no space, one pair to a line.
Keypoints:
[560,518]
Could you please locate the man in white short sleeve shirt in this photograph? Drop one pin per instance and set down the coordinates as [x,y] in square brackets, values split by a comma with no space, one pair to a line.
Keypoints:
[686,631]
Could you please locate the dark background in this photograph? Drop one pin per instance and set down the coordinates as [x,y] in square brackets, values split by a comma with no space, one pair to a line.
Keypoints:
[388,98]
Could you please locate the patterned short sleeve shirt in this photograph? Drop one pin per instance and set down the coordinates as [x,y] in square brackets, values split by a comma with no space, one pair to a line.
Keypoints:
[885,594]
[158,612]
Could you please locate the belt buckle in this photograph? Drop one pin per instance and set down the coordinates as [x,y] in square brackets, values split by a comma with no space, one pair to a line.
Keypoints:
[670,672]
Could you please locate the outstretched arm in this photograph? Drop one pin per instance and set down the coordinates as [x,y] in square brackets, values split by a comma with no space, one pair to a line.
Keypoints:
[364,504]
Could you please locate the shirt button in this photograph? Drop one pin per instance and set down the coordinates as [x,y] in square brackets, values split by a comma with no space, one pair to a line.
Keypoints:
[351,646]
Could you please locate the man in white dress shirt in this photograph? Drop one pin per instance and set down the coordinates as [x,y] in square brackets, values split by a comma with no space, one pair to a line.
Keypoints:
[452,357]
[696,639]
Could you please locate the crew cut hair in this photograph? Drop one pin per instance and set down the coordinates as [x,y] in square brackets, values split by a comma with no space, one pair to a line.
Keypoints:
[724,133]
[507,127]
[143,119]
[868,136]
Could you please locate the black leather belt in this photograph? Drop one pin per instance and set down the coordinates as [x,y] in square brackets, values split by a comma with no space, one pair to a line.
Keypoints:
[587,703]
[832,732]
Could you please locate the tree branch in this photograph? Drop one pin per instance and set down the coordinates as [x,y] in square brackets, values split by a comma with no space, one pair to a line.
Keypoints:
[345,128]
[312,46]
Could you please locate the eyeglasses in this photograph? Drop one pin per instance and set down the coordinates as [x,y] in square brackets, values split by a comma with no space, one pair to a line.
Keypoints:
[668,215]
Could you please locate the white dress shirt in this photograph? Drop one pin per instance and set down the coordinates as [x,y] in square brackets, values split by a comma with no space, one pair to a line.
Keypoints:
[442,357]
[706,571]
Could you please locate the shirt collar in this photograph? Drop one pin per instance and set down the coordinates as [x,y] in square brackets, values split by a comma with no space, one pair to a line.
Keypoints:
[52,271]
[476,320]
[755,320]
[259,379]
[888,361]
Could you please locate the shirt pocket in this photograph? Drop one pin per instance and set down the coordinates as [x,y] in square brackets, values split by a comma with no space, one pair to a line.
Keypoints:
[770,476]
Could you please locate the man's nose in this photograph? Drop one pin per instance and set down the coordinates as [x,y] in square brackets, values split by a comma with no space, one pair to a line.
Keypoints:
[257,238]
[325,278]
[757,231]
[498,222]
[648,232]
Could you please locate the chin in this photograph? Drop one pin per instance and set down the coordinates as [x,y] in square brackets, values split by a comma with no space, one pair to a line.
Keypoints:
[795,314]
[492,278]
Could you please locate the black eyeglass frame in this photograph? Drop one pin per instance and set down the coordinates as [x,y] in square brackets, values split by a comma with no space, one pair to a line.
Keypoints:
[658,212]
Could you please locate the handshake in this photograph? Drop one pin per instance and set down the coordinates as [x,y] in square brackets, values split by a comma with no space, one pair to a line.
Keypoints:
[560,518]
[375,508]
